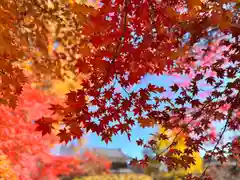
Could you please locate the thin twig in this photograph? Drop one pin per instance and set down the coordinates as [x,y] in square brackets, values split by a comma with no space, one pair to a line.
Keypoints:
[182,129]
[124,89]
[118,47]
[230,112]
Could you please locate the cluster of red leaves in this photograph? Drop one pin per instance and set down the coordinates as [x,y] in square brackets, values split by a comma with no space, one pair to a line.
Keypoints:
[228,170]
[26,149]
[84,164]
[92,164]
[156,48]
[12,80]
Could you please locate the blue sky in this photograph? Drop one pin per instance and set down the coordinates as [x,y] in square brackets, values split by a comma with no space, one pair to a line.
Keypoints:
[130,148]
[121,141]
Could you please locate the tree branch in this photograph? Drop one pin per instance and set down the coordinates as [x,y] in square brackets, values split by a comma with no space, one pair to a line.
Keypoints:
[182,129]
[230,112]
[121,40]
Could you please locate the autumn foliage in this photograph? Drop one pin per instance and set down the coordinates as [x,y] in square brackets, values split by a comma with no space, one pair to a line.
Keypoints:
[176,152]
[116,177]
[119,43]
[92,164]
[25,152]
[22,147]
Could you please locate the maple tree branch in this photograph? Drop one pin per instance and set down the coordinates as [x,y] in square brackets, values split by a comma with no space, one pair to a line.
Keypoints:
[182,129]
[230,112]
[153,17]
[124,89]
[118,47]
[122,38]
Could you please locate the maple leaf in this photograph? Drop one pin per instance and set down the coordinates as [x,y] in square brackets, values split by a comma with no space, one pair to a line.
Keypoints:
[82,9]
[106,138]
[152,142]
[174,87]
[75,130]
[198,77]
[45,125]
[195,103]
[64,136]
[180,101]
[108,94]
[146,122]
[139,142]
[210,80]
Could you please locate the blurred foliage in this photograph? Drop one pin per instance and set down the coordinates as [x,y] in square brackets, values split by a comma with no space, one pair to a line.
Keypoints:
[160,169]
[6,171]
[181,145]
[116,177]
[53,68]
